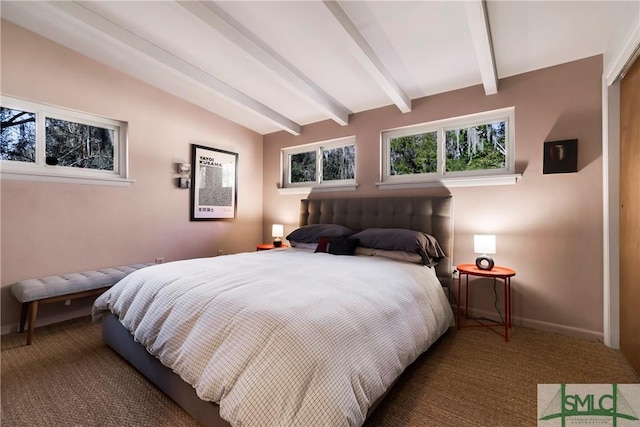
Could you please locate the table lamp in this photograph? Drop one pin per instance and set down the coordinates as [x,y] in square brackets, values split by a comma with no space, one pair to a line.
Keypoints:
[277,231]
[484,244]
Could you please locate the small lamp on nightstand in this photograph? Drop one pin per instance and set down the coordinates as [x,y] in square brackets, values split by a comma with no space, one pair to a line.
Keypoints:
[484,244]
[277,231]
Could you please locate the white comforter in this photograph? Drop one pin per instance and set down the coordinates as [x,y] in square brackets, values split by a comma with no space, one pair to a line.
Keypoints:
[284,337]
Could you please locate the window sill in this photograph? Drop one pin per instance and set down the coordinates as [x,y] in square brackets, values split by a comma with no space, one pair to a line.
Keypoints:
[86,180]
[309,189]
[476,181]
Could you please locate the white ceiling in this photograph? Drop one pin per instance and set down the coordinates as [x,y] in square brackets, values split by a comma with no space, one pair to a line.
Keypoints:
[273,65]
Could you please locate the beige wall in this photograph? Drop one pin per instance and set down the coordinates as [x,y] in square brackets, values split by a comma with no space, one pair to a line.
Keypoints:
[52,228]
[548,227]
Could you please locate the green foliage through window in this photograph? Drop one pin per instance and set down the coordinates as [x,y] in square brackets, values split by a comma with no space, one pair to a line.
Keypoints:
[339,163]
[454,150]
[476,148]
[414,154]
[303,167]
[329,161]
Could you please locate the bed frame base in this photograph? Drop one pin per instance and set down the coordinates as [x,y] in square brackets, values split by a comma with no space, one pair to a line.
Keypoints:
[116,336]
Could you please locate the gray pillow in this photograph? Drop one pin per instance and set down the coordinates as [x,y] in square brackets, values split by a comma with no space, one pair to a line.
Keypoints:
[401,239]
[312,233]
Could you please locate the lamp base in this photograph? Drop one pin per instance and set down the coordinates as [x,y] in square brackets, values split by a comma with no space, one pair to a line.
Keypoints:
[277,243]
[484,263]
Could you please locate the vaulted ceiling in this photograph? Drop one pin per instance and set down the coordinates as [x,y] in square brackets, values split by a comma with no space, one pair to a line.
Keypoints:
[278,65]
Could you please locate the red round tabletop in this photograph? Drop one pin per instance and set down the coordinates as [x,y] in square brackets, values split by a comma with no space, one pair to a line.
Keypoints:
[496,271]
[267,246]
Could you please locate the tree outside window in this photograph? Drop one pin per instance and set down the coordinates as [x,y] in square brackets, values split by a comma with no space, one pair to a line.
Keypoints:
[476,148]
[477,145]
[328,162]
[18,136]
[414,154]
[53,143]
[78,145]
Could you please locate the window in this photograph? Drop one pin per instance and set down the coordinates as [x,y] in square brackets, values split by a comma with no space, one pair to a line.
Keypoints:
[458,151]
[303,167]
[322,164]
[18,141]
[54,144]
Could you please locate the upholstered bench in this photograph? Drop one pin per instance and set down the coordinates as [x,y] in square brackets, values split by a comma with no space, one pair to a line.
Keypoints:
[64,287]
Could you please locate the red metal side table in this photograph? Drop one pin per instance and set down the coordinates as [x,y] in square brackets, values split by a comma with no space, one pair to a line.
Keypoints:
[497,272]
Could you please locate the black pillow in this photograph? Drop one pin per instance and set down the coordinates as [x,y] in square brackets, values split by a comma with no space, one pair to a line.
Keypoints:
[337,245]
[401,239]
[312,233]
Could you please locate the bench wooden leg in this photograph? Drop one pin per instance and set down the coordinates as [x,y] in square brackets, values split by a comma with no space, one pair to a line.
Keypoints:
[23,315]
[33,311]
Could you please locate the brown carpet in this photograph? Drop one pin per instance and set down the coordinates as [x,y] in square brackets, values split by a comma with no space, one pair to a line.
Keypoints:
[468,378]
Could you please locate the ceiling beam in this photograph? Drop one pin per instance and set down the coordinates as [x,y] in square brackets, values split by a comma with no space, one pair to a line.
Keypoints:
[216,18]
[478,21]
[369,60]
[175,63]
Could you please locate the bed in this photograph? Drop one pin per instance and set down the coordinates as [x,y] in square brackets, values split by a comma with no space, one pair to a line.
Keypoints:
[323,343]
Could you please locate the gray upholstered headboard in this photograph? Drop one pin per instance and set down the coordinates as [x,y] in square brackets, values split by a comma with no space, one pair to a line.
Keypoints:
[431,215]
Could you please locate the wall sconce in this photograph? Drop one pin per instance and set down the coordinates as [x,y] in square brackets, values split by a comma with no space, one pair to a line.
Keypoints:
[277,231]
[184,169]
[484,244]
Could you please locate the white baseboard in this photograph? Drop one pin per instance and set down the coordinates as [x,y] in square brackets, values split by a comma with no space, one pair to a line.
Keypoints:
[81,312]
[560,329]
[539,324]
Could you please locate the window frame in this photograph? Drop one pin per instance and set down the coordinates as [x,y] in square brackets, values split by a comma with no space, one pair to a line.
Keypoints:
[318,148]
[504,175]
[40,171]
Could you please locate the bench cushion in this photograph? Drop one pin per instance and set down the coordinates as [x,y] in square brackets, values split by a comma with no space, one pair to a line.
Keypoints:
[53,286]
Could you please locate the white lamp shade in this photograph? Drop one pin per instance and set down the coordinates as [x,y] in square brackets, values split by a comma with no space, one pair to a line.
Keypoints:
[484,243]
[277,230]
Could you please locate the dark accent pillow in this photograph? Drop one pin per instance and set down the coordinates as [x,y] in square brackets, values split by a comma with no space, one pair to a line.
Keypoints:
[337,245]
[343,245]
[312,233]
[401,239]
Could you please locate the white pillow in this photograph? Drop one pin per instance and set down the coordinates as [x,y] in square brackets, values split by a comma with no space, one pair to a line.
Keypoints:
[302,245]
[402,256]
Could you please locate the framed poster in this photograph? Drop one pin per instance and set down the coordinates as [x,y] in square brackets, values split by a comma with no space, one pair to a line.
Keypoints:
[560,156]
[214,184]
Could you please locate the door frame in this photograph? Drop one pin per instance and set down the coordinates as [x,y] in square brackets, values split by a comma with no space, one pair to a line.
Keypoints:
[615,69]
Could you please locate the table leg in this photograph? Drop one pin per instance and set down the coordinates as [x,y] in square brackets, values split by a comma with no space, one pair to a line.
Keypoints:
[466,299]
[510,302]
[506,309]
[459,301]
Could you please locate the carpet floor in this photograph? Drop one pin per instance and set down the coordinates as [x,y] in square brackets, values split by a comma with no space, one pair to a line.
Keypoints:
[472,377]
